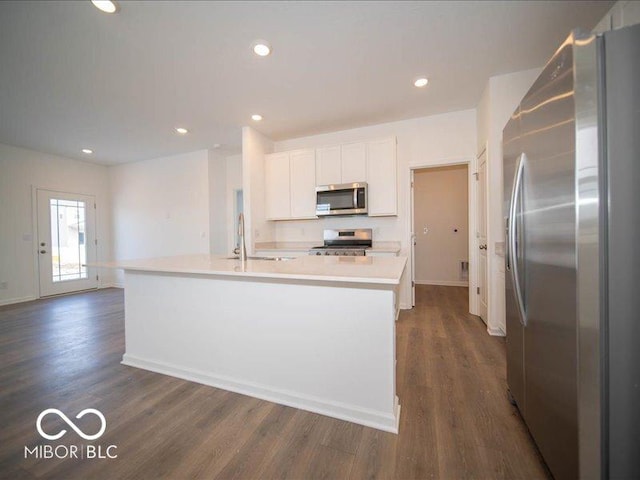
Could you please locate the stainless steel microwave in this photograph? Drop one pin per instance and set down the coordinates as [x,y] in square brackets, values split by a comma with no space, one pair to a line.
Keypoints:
[344,199]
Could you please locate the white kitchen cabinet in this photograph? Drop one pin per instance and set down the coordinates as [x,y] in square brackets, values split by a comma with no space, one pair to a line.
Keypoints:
[382,177]
[341,164]
[290,185]
[354,163]
[328,165]
[277,186]
[302,173]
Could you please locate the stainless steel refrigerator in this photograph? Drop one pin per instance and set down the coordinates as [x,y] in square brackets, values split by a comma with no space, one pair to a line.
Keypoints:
[572,225]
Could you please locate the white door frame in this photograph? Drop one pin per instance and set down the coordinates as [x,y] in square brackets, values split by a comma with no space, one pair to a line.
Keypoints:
[483,206]
[474,305]
[35,239]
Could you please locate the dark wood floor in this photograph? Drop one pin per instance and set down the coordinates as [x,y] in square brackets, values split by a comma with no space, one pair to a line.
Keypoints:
[65,353]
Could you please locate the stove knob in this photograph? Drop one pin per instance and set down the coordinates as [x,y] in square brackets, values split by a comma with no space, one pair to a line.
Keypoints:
[336,253]
[318,253]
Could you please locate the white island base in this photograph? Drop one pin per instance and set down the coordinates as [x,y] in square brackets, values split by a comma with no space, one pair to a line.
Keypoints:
[320,346]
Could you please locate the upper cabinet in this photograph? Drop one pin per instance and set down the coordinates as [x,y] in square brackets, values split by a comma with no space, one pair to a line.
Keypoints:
[382,177]
[341,164]
[302,174]
[328,165]
[290,183]
[354,162]
[291,177]
[277,186]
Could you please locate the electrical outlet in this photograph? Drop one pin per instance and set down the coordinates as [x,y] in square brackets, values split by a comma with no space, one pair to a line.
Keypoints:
[4,285]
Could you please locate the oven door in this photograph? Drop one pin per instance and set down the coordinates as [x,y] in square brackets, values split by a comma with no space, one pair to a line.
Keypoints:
[348,199]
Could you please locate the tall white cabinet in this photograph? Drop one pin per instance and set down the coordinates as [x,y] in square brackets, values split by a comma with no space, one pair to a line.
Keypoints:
[382,177]
[290,182]
[302,178]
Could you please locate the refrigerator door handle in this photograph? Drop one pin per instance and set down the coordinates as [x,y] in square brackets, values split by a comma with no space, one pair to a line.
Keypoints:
[511,240]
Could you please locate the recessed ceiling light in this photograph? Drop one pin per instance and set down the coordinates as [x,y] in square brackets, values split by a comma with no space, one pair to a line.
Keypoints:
[106,6]
[256,117]
[88,151]
[182,130]
[421,82]
[261,48]
[216,145]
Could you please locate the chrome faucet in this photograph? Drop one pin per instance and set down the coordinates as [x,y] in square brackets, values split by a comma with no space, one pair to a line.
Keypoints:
[241,249]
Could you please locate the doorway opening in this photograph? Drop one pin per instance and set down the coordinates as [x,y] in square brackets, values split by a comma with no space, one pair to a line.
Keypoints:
[442,227]
[66,242]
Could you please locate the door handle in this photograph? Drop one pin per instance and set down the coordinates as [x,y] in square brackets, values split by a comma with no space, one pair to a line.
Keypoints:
[513,259]
[43,251]
[482,247]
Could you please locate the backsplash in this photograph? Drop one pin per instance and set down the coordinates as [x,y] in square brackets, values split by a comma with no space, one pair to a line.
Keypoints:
[384,228]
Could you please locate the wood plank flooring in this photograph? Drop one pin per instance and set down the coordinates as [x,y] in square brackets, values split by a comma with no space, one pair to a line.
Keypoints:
[65,353]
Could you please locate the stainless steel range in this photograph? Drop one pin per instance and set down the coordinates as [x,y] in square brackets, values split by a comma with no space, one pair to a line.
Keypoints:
[351,242]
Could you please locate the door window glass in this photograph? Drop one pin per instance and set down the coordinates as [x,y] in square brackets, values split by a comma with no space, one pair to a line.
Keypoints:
[68,248]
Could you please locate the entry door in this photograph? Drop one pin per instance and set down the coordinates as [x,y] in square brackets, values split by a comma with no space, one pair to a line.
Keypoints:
[481,233]
[66,242]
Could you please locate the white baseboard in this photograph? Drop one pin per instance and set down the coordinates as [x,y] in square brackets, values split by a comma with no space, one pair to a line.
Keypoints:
[496,332]
[112,285]
[444,283]
[11,301]
[350,413]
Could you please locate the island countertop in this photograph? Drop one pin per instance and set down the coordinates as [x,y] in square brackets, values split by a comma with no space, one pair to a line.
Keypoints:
[341,269]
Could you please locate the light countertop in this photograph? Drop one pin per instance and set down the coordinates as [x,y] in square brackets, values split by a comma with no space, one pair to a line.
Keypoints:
[367,270]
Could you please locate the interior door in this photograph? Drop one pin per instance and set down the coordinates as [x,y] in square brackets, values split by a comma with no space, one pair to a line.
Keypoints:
[481,233]
[66,242]
[413,243]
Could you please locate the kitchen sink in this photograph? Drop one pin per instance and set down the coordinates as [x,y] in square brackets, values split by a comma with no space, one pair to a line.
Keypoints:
[271,259]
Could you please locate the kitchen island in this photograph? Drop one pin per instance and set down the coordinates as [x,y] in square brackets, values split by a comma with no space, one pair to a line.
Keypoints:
[316,333]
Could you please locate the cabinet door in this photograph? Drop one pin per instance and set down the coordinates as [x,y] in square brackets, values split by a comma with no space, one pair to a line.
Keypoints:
[354,163]
[302,165]
[277,186]
[328,165]
[382,177]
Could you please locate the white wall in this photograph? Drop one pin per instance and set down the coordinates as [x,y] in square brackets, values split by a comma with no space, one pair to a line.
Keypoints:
[234,182]
[20,170]
[500,98]
[254,147]
[622,14]
[441,206]
[217,203]
[426,141]
[160,207]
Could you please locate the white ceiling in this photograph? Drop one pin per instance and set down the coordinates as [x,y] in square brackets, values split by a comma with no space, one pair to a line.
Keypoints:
[73,77]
